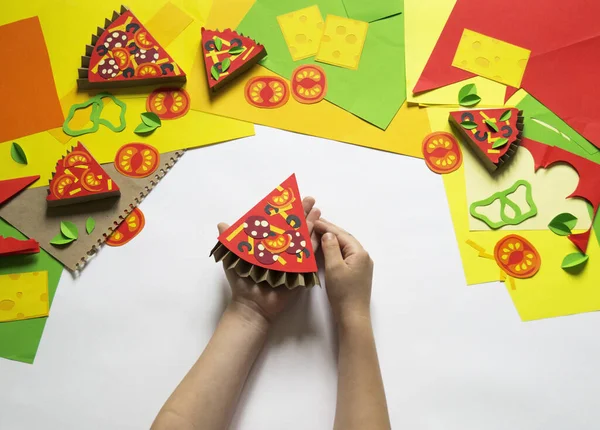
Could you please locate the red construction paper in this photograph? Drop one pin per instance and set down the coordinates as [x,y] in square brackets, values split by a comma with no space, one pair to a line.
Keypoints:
[29,100]
[12,246]
[564,38]
[581,240]
[78,177]
[274,234]
[10,187]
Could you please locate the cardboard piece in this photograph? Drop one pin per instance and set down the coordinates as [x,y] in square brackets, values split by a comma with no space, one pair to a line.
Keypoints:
[302,30]
[131,226]
[125,54]
[442,152]
[168,103]
[483,130]
[23,296]
[78,178]
[28,213]
[342,42]
[12,246]
[271,242]
[10,187]
[227,55]
[309,84]
[26,82]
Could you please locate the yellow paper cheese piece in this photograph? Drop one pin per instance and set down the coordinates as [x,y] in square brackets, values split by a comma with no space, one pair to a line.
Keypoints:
[342,42]
[491,58]
[23,296]
[302,30]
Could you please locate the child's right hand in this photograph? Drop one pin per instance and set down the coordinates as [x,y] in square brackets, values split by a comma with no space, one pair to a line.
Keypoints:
[348,272]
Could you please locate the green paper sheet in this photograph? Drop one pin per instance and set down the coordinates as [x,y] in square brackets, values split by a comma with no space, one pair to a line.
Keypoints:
[373,10]
[19,340]
[374,92]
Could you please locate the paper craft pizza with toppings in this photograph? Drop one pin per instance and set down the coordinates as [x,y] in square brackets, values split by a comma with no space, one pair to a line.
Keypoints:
[79,178]
[228,54]
[125,54]
[271,242]
[494,134]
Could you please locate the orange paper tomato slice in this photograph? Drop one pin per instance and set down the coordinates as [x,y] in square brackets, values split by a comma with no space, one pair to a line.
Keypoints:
[267,92]
[281,200]
[63,185]
[517,257]
[441,152]
[76,158]
[148,69]
[91,181]
[122,57]
[168,103]
[143,39]
[128,229]
[277,244]
[309,84]
[137,160]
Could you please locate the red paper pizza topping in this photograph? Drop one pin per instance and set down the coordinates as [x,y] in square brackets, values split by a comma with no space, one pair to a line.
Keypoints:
[168,103]
[309,84]
[78,177]
[274,234]
[267,92]
[441,152]
[137,160]
[128,229]
[228,54]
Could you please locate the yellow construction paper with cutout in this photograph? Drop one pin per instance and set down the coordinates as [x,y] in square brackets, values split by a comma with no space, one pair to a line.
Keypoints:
[491,58]
[302,31]
[23,296]
[342,42]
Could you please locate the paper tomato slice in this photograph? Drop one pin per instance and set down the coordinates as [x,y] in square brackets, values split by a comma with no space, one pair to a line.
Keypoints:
[267,92]
[148,70]
[277,244]
[441,152]
[309,84]
[128,229]
[168,103]
[137,160]
[77,158]
[517,257]
[122,57]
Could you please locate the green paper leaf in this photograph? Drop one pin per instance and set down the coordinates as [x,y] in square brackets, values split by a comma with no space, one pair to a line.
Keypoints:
[563,224]
[225,64]
[468,125]
[90,225]
[506,115]
[214,73]
[500,142]
[467,90]
[470,100]
[69,230]
[575,260]
[144,129]
[17,153]
[60,239]
[218,43]
[236,50]
[491,124]
[151,119]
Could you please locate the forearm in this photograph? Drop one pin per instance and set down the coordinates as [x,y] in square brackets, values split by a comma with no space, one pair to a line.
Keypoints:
[361,402]
[207,396]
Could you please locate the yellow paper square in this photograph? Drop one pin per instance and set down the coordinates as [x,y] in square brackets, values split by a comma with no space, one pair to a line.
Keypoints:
[491,58]
[302,30]
[342,42]
[23,296]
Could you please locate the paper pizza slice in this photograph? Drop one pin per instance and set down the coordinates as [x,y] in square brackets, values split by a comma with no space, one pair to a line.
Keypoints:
[12,246]
[494,134]
[125,54]
[10,187]
[228,54]
[79,178]
[271,242]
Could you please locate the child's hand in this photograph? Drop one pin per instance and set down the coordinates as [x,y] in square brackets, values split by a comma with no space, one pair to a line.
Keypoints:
[263,300]
[348,272]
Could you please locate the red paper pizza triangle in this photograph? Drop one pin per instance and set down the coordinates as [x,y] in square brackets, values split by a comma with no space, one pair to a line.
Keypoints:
[10,187]
[273,234]
[228,54]
[125,54]
[79,178]
[581,240]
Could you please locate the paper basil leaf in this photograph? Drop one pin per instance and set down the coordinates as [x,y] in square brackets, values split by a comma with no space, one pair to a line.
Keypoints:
[59,239]
[151,119]
[572,261]
[218,43]
[17,153]
[466,91]
[69,230]
[468,125]
[144,129]
[506,115]
[500,142]
[90,225]
[491,124]
[470,100]
[237,50]
[563,224]
[214,73]
[225,64]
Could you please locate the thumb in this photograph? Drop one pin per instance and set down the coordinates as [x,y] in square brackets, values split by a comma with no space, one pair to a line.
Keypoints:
[331,250]
[222,227]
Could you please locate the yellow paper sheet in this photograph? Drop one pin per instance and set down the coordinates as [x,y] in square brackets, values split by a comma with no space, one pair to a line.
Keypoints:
[23,296]
[302,31]
[491,58]
[423,24]
[552,292]
[342,42]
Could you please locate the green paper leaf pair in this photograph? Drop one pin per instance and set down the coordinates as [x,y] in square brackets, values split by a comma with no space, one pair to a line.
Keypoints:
[214,72]
[574,261]
[467,96]
[506,115]
[90,225]
[500,142]
[563,224]
[17,153]
[236,50]
[150,122]
[491,124]
[68,233]
[218,43]
[468,125]
[225,64]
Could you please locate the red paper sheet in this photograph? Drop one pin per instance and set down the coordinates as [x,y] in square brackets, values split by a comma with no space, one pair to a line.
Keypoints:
[12,246]
[10,187]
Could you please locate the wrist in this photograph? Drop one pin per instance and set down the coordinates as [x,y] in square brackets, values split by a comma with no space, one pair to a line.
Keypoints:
[353,317]
[249,314]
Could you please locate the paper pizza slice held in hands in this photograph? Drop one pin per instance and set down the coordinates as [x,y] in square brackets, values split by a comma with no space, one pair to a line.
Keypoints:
[494,134]
[125,54]
[271,243]
[228,54]
[79,178]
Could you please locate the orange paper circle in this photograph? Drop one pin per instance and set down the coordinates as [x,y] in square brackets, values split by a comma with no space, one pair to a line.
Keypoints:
[267,92]
[309,84]
[137,160]
[128,229]
[441,152]
[517,257]
[168,103]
